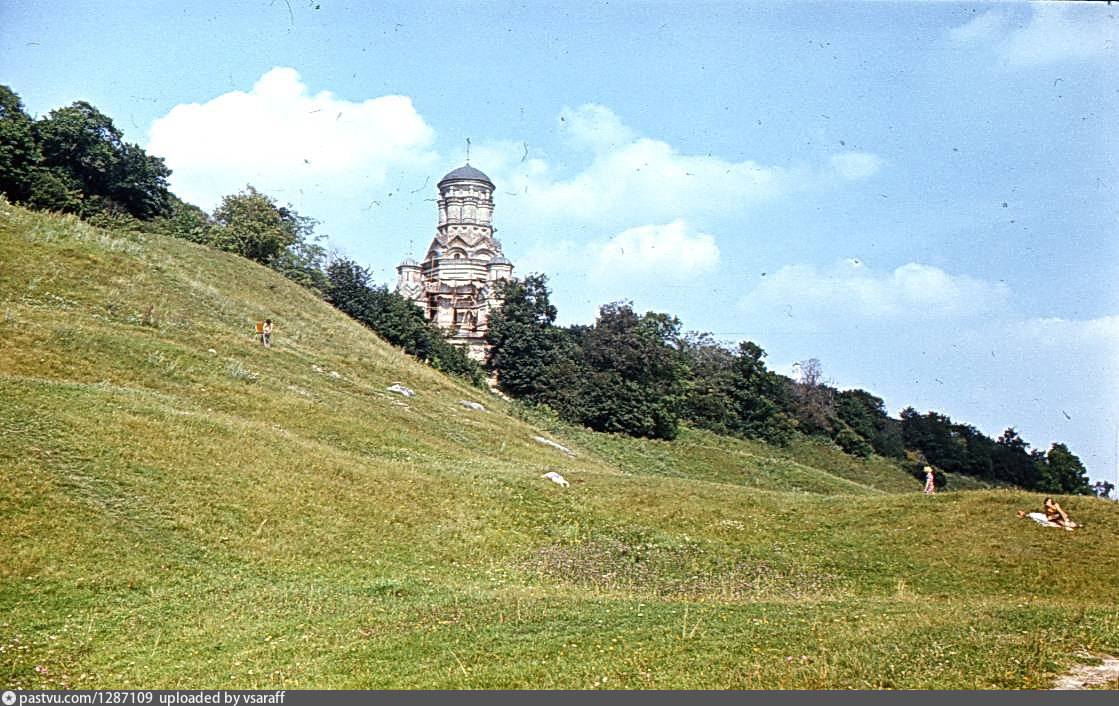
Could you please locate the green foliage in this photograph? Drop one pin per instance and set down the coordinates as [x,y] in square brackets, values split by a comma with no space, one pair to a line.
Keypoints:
[1064,473]
[635,384]
[623,375]
[709,401]
[964,449]
[84,150]
[525,345]
[400,322]
[865,415]
[185,221]
[253,226]
[75,160]
[853,444]
[1012,462]
[812,402]
[759,395]
[19,155]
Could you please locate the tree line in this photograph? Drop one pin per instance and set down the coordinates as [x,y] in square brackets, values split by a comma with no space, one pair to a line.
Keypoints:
[639,375]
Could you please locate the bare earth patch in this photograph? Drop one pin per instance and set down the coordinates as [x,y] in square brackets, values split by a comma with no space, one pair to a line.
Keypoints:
[1090,676]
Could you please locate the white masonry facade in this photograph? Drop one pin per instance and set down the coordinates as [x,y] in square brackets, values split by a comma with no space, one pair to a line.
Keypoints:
[456,283]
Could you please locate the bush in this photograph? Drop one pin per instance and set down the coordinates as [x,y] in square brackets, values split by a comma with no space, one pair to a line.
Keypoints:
[853,444]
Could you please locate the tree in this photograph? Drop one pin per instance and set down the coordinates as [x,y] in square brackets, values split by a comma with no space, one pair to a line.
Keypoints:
[19,156]
[396,319]
[636,374]
[708,401]
[83,151]
[1012,462]
[524,342]
[813,402]
[865,414]
[252,225]
[935,437]
[186,221]
[1066,473]
[759,395]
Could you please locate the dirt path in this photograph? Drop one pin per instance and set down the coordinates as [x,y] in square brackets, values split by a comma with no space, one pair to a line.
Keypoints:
[1087,677]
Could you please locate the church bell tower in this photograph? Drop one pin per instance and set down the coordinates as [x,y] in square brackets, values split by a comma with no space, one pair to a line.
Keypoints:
[455,282]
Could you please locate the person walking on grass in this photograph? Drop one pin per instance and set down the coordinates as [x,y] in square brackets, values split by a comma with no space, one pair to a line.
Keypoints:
[266,334]
[930,481]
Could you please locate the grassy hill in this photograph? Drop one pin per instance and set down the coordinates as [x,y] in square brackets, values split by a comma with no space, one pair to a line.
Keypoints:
[180,507]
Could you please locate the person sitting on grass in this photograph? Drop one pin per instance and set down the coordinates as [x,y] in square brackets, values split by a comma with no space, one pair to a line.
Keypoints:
[1053,516]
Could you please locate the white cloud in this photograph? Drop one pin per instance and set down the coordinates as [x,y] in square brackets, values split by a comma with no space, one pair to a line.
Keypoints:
[673,251]
[856,165]
[278,133]
[988,25]
[1055,32]
[595,126]
[631,177]
[850,292]
[1078,333]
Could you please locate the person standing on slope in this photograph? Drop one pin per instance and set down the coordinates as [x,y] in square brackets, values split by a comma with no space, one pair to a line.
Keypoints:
[266,334]
[930,481]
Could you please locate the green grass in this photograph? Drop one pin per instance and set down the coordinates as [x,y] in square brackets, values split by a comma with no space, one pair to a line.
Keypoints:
[182,508]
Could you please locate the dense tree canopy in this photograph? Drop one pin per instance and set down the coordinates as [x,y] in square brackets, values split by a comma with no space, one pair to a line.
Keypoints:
[525,343]
[635,383]
[964,449]
[20,157]
[1063,472]
[865,414]
[252,225]
[75,160]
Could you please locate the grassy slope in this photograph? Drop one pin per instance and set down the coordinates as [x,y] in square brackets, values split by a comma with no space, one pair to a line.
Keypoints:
[176,517]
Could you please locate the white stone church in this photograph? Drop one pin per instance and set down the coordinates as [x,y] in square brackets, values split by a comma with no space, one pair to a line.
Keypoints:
[455,283]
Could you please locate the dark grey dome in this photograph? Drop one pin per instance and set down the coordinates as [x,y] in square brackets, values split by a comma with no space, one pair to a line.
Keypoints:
[499,260]
[466,172]
[409,262]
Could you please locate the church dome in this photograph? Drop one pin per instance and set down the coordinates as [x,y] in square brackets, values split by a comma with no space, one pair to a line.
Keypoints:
[465,173]
[499,260]
[409,262]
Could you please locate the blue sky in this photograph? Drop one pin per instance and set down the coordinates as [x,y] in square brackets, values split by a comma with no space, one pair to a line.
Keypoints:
[920,195]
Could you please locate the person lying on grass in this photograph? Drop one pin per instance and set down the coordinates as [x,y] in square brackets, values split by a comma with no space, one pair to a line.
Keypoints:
[1053,516]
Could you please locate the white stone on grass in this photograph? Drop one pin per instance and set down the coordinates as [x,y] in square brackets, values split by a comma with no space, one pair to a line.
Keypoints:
[556,478]
[401,389]
[472,405]
[549,442]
